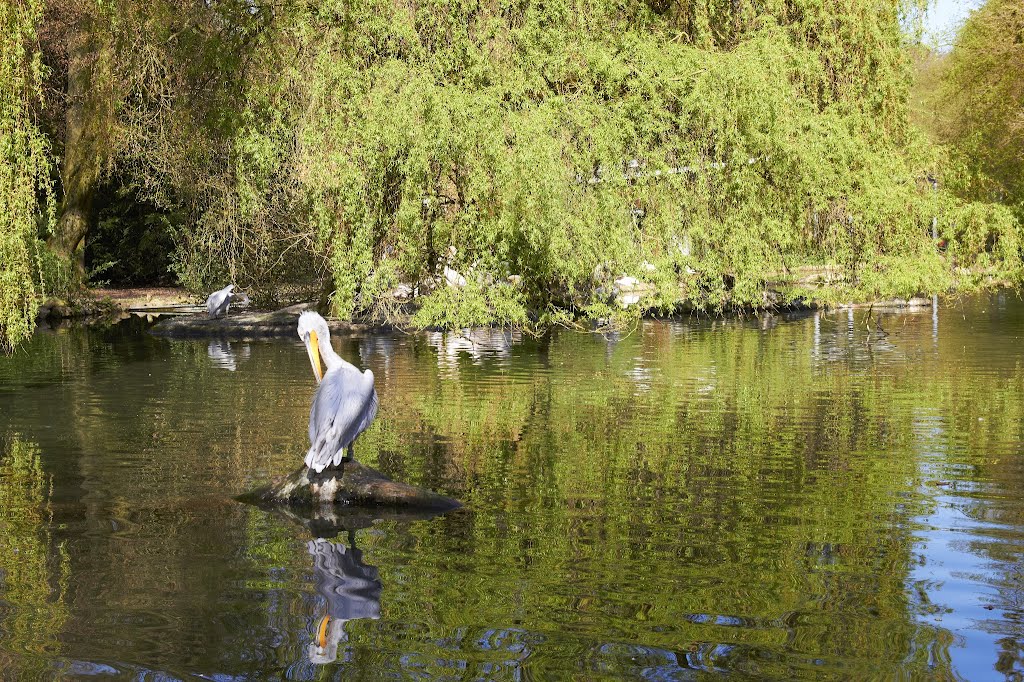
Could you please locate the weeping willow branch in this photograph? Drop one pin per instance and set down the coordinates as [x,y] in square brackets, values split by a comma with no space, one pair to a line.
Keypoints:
[26,203]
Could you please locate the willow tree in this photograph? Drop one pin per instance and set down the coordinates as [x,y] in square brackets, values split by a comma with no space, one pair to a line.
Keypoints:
[25,199]
[540,149]
[703,147]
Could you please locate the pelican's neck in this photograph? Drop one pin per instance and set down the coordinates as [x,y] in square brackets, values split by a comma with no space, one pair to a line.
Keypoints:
[330,358]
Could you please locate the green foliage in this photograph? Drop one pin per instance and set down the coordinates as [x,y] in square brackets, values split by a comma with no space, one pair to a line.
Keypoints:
[970,101]
[451,307]
[982,97]
[546,141]
[984,237]
[705,149]
[26,204]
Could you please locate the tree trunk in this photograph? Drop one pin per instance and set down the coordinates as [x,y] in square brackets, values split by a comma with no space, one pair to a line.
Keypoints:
[323,306]
[89,122]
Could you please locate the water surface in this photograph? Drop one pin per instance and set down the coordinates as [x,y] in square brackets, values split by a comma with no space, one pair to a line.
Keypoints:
[817,496]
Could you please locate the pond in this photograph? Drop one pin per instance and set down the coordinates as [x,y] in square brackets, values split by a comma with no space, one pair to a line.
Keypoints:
[807,496]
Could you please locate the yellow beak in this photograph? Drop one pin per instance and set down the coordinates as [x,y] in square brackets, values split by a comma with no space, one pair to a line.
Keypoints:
[314,356]
[321,632]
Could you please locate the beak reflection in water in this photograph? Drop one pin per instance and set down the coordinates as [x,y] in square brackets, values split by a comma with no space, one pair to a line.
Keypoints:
[350,588]
[321,633]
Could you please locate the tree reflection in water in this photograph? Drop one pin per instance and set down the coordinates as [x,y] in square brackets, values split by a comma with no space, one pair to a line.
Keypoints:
[33,572]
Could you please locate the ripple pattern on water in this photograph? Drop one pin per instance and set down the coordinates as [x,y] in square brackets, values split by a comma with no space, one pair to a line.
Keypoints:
[826,495]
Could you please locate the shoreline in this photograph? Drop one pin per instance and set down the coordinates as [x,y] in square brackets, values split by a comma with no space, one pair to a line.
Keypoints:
[184,316]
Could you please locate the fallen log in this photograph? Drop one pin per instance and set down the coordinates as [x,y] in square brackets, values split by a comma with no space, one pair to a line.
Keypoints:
[350,485]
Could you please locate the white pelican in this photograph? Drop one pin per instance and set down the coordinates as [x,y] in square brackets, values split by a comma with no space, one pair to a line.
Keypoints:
[345,402]
[218,302]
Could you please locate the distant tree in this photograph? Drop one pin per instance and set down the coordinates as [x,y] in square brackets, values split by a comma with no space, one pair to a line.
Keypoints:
[983,87]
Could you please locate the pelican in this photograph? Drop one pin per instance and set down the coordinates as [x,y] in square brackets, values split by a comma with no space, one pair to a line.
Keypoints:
[218,302]
[345,402]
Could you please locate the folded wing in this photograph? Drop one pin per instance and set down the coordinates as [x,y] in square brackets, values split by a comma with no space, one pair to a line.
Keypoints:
[343,407]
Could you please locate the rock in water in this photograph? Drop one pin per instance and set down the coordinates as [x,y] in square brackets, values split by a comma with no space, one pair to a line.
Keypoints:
[350,485]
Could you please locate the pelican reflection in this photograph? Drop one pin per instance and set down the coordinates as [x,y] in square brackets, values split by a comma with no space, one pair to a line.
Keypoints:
[377,344]
[351,590]
[222,354]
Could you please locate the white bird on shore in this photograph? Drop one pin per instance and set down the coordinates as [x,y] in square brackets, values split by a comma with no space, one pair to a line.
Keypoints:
[345,402]
[218,302]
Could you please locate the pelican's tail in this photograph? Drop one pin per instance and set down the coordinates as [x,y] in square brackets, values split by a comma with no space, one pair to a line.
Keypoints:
[311,462]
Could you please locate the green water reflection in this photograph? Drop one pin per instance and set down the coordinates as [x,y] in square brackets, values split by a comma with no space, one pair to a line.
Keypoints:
[815,496]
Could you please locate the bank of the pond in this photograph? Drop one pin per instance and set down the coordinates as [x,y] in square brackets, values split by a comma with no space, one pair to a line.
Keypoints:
[253,324]
[105,303]
[184,313]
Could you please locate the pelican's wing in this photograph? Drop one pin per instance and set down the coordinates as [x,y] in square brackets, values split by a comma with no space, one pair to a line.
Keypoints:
[369,412]
[344,405]
[211,302]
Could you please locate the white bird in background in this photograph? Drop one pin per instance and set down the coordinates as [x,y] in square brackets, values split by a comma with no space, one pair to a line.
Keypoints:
[345,402]
[218,302]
